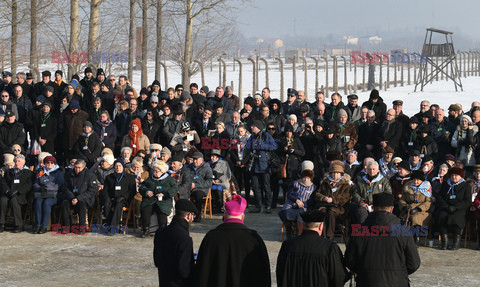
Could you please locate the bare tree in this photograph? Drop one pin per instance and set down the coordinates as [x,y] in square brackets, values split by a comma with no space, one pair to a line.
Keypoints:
[33,39]
[73,47]
[13,41]
[144,79]
[93,27]
[131,35]
[158,50]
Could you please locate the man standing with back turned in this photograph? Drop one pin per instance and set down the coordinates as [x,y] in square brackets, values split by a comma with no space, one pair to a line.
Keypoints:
[309,259]
[232,255]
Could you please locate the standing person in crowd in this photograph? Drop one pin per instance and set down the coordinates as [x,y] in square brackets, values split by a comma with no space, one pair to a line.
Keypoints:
[173,248]
[135,139]
[15,187]
[88,145]
[106,130]
[463,142]
[238,158]
[47,193]
[258,146]
[45,128]
[232,254]
[353,107]
[11,132]
[158,192]
[382,260]
[346,132]
[71,127]
[375,103]
[321,259]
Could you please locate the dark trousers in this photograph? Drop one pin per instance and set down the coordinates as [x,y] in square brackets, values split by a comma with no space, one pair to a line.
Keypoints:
[443,227]
[261,189]
[43,209]
[114,216]
[275,190]
[197,198]
[330,221]
[80,208]
[359,214]
[147,213]
[243,178]
[16,208]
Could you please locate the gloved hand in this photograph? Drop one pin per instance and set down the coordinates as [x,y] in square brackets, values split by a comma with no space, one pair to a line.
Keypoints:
[415,210]
[11,193]
[451,209]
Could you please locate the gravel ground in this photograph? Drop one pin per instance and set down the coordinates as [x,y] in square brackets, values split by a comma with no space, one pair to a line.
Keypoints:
[95,260]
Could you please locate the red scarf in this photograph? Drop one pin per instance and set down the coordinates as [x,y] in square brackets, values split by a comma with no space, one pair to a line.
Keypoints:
[134,140]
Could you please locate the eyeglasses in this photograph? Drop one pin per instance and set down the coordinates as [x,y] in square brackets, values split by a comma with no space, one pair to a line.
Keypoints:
[291,96]
[17,149]
[112,80]
[271,129]
[154,102]
[181,90]
[5,96]
[149,114]
[155,150]
[390,115]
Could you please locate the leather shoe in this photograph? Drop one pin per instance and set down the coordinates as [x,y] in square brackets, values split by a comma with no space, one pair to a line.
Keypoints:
[256,210]
[197,218]
[145,233]
[2,228]
[268,210]
[18,229]
[42,230]
[35,229]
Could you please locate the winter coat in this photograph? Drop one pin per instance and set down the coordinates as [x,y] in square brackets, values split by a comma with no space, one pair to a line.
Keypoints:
[82,186]
[88,148]
[125,188]
[364,190]
[417,199]
[461,202]
[183,177]
[340,194]
[11,134]
[258,147]
[23,106]
[19,180]
[71,126]
[143,142]
[294,159]
[165,185]
[221,171]
[348,135]
[45,127]
[202,177]
[391,132]
[51,181]
[379,108]
[463,141]
[107,134]
[427,146]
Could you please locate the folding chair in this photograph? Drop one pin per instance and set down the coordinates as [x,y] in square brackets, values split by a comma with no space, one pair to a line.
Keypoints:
[208,204]
[130,212]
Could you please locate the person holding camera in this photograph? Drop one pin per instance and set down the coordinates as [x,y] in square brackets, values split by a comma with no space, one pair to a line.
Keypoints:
[463,142]
[297,201]
[46,189]
[158,192]
[15,188]
[291,153]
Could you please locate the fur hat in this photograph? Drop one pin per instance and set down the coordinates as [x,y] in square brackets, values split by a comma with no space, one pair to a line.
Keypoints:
[457,170]
[160,165]
[307,173]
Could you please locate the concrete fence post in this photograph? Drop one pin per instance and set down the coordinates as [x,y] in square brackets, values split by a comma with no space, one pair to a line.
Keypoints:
[316,73]
[326,76]
[282,82]
[363,73]
[380,81]
[202,74]
[267,82]
[335,73]
[344,74]
[239,79]
[305,80]
[253,80]
[165,74]
[294,72]
[354,76]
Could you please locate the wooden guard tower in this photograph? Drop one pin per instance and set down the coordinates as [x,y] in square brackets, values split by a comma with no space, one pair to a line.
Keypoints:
[446,60]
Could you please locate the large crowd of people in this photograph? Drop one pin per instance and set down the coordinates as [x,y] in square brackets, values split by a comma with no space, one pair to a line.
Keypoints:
[96,142]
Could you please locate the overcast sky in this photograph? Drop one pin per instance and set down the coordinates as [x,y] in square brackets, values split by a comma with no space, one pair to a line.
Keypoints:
[276,18]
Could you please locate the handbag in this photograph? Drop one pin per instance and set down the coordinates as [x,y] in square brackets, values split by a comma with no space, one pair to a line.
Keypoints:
[36,148]
[283,169]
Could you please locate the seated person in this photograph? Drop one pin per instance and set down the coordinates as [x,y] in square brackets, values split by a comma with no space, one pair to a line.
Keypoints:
[202,181]
[451,205]
[79,193]
[334,190]
[298,200]
[47,193]
[416,198]
[157,193]
[221,180]
[14,191]
[362,193]
[119,189]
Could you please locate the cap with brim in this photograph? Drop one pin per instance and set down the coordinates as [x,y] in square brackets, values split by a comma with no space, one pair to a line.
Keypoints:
[197,155]
[353,97]
[216,152]
[415,152]
[397,103]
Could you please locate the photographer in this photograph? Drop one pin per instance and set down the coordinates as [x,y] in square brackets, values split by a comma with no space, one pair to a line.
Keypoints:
[185,139]
[291,152]
[308,138]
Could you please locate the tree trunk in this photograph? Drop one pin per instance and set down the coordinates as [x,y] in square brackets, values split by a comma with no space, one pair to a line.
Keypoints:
[33,40]
[73,47]
[13,43]
[158,50]
[144,80]
[93,30]
[187,58]
[131,35]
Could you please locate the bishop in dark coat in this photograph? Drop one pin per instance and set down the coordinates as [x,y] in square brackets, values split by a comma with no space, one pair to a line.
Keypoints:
[232,254]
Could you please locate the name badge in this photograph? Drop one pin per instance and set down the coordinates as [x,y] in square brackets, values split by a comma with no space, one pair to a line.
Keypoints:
[105,134]
[16,181]
[410,143]
[185,149]
[117,187]
[334,189]
[453,196]
[134,146]
[43,125]
[85,147]
[422,155]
